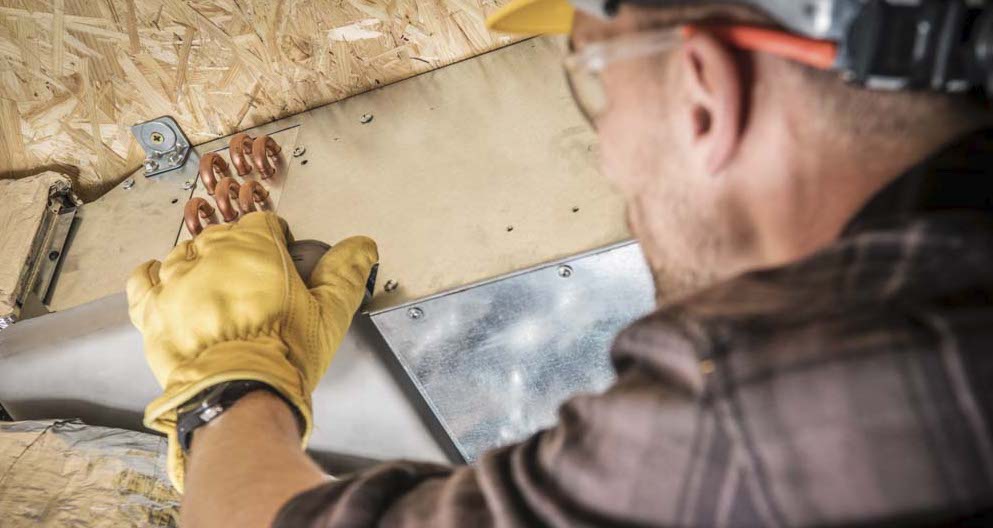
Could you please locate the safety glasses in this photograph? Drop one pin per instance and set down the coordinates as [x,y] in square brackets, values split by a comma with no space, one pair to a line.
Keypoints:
[585,68]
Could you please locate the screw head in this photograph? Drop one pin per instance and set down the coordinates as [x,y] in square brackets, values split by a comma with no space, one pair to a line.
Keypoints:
[188,184]
[391,285]
[366,118]
[299,151]
[151,165]
[565,271]
[415,313]
[157,137]
[128,183]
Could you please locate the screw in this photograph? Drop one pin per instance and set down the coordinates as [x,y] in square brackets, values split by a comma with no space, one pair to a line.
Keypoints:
[565,271]
[188,184]
[157,137]
[151,165]
[299,151]
[53,256]
[366,118]
[391,285]
[128,183]
[415,313]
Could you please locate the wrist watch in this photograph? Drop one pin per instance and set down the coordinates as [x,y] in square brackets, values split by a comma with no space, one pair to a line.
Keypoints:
[210,403]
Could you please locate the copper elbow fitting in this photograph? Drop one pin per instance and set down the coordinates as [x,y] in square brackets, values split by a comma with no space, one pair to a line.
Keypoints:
[251,193]
[194,210]
[209,163]
[240,148]
[227,189]
[262,148]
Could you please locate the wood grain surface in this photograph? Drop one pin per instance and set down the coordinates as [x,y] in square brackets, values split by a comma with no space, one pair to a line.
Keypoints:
[76,74]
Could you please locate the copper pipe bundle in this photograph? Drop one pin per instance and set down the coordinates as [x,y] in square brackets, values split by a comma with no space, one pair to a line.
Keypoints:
[210,163]
[227,189]
[194,210]
[251,193]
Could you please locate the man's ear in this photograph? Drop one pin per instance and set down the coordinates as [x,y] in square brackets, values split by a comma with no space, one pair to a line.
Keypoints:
[713,84]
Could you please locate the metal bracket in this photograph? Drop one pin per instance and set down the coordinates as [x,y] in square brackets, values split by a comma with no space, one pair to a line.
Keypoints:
[166,146]
[48,247]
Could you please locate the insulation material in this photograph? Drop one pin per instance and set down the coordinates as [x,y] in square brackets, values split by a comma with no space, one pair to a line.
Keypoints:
[22,210]
[75,74]
[65,473]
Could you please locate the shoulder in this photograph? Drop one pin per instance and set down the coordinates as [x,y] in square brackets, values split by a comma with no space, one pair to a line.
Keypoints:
[876,292]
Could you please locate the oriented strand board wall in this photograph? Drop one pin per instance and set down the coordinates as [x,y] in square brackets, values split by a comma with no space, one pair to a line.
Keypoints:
[75,74]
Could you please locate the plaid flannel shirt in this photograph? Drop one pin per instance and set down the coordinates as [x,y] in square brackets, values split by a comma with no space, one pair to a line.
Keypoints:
[848,388]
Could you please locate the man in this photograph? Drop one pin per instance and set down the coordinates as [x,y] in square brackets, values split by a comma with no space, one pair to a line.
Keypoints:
[823,257]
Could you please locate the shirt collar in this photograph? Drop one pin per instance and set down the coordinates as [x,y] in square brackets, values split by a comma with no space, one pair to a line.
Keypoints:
[959,177]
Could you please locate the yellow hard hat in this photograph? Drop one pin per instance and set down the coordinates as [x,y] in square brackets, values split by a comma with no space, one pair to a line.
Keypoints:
[533,16]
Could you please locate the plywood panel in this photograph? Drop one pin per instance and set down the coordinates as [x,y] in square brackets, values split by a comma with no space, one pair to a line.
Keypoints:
[75,74]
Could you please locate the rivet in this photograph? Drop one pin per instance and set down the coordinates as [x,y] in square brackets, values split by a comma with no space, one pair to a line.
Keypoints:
[128,183]
[366,118]
[188,184]
[565,271]
[151,165]
[415,313]
[390,286]
[299,151]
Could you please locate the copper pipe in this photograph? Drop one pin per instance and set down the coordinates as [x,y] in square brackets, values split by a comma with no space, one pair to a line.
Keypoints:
[194,210]
[251,193]
[239,148]
[209,163]
[262,148]
[227,188]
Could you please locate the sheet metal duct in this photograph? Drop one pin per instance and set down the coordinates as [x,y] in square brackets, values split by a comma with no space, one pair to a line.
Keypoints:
[87,362]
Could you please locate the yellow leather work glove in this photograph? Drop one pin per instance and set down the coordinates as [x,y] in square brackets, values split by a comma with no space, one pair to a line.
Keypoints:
[229,305]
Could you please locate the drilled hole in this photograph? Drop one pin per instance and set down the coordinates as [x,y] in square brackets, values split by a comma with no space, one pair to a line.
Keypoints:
[304,162]
[510,228]
[575,209]
[175,200]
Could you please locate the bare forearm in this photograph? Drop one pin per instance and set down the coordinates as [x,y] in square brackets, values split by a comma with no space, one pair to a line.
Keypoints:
[245,465]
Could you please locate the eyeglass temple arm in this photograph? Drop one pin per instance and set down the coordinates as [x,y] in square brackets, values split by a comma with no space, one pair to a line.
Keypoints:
[820,54]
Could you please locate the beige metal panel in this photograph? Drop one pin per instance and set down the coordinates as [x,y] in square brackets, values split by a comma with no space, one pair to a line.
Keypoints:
[132,224]
[464,174]
[122,229]
[450,161]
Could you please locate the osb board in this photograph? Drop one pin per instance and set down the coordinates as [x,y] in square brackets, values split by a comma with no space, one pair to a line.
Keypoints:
[75,74]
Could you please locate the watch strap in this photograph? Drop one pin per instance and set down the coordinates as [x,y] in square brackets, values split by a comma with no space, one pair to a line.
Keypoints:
[213,401]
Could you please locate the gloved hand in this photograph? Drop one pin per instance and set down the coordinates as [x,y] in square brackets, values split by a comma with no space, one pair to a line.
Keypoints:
[229,305]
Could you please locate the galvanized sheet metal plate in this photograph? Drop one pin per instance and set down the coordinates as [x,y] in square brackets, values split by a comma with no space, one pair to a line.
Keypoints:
[494,362]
